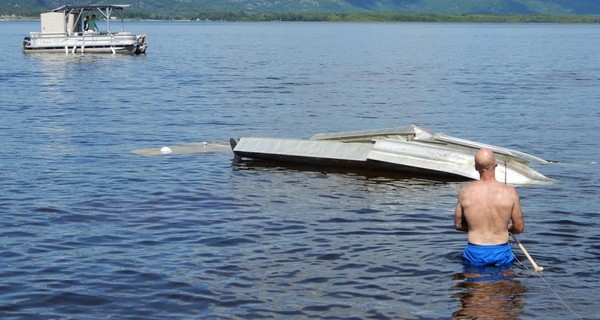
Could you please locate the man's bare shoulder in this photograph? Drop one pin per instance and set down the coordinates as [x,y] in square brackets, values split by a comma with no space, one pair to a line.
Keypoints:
[487,186]
[475,185]
[511,190]
[504,187]
[479,187]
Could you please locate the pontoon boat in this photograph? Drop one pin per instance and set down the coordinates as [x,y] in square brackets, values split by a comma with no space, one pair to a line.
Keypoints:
[64,30]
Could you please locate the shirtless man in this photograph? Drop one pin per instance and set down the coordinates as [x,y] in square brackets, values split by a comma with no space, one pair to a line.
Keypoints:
[488,210]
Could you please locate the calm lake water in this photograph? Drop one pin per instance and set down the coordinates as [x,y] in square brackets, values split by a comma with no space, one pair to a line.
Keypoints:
[92,230]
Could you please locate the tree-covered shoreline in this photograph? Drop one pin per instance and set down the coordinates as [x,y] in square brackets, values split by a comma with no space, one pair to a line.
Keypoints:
[343,17]
[396,17]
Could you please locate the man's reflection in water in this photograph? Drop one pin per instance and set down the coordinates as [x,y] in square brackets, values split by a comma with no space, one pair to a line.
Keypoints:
[488,293]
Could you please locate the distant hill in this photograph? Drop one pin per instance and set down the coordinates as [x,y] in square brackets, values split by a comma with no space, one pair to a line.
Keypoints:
[187,8]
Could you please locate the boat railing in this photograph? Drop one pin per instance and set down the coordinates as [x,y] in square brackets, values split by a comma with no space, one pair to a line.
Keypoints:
[46,34]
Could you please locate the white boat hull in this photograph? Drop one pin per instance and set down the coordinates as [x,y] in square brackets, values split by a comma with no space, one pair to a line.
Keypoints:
[124,43]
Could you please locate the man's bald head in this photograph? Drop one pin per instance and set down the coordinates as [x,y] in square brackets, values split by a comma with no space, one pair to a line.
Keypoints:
[485,160]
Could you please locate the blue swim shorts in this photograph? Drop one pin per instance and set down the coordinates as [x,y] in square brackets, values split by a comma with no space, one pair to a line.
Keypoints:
[483,255]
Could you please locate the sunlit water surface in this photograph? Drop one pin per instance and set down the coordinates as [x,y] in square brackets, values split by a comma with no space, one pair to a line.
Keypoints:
[93,230]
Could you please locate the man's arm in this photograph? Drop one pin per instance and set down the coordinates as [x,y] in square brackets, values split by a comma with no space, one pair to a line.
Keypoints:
[517,225]
[460,223]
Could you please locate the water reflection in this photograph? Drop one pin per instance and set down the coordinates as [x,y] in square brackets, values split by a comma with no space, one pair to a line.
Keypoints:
[488,293]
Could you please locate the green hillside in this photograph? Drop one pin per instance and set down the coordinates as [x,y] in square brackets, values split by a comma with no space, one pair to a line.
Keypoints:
[326,9]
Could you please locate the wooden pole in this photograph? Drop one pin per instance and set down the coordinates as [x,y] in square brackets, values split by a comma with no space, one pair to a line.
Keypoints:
[535,266]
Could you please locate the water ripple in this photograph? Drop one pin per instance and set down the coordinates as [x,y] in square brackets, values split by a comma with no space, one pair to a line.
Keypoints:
[92,230]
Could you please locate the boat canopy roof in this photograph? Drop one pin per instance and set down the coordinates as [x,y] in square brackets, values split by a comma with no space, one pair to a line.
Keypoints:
[92,7]
[104,10]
